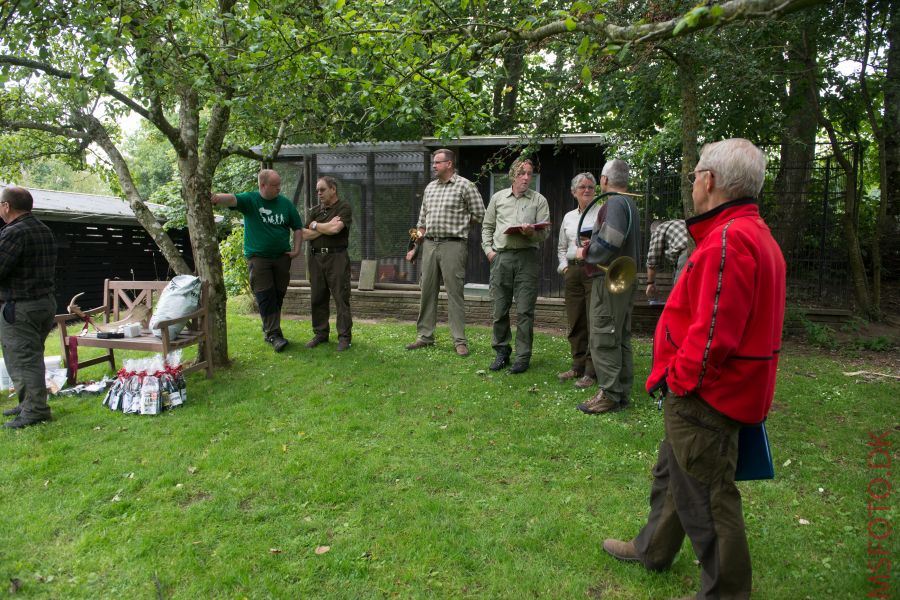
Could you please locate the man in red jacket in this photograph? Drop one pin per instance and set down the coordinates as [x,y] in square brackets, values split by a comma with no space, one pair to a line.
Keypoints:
[715,355]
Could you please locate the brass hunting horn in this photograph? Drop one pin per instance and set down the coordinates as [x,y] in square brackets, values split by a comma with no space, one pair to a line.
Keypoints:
[621,272]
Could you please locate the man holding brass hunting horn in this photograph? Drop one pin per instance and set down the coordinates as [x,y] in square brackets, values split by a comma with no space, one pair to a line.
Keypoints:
[613,252]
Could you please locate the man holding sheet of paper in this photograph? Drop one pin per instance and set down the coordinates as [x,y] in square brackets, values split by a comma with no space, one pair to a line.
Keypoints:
[516,222]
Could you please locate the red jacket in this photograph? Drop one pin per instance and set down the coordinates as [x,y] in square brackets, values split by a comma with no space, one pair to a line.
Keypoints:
[719,335]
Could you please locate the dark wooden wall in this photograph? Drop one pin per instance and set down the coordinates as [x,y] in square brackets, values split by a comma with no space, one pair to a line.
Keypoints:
[557,167]
[89,253]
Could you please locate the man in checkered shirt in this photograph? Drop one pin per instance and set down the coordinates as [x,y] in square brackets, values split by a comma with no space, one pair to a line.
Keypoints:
[668,240]
[450,207]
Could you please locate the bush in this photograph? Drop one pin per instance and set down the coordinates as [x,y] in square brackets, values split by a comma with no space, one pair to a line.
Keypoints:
[234,264]
[814,333]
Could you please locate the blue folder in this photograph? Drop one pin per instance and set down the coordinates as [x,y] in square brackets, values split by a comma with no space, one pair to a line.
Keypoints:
[754,454]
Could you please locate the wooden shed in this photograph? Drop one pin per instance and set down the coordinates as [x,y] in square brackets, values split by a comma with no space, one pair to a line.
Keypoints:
[99,238]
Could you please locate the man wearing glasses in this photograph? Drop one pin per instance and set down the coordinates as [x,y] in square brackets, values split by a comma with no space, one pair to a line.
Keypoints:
[27,303]
[715,357]
[450,207]
[328,234]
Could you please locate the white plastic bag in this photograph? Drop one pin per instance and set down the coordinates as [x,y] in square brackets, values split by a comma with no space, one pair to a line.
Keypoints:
[181,297]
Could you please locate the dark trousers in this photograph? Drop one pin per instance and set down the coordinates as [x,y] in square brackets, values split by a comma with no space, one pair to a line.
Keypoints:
[329,275]
[515,273]
[23,339]
[269,278]
[693,493]
[578,309]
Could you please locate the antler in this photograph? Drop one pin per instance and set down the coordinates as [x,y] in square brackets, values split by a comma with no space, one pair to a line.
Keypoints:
[74,308]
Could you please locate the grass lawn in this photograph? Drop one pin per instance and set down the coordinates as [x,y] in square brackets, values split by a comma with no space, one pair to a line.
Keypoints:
[424,474]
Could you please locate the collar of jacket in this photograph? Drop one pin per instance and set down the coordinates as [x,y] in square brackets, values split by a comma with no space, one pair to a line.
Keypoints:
[702,224]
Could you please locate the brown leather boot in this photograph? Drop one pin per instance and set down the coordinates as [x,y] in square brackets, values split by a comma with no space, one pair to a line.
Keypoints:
[621,550]
[599,404]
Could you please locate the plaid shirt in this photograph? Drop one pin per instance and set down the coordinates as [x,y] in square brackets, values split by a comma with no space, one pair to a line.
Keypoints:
[449,209]
[669,239]
[27,259]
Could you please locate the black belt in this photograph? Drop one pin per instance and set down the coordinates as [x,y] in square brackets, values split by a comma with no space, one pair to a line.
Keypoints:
[434,238]
[328,250]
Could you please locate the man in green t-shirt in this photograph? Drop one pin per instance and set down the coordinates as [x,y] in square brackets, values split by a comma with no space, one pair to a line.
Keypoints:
[269,218]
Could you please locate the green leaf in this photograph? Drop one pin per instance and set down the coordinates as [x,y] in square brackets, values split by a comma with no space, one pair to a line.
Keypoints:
[339,4]
[571,24]
[682,23]
[126,19]
[586,74]
[581,7]
[583,46]
[464,4]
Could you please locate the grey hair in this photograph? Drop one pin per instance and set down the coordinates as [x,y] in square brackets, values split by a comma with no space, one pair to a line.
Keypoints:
[580,177]
[739,167]
[616,172]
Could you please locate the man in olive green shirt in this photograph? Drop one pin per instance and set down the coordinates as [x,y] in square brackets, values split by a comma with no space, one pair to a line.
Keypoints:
[516,222]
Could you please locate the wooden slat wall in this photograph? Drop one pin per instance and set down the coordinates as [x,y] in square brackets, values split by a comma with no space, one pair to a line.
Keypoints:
[92,252]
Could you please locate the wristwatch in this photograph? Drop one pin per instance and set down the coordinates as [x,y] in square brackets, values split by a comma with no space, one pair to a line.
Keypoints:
[314,226]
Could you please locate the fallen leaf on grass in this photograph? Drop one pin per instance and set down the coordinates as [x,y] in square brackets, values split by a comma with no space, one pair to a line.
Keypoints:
[274,550]
[192,470]
[803,522]
[480,372]
[786,463]
[97,428]
[15,584]
[322,549]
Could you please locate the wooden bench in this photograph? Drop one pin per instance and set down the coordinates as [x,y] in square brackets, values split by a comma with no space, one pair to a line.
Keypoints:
[120,297]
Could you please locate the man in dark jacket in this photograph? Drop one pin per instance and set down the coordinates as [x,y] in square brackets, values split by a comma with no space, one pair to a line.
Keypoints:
[27,266]
[616,233]
[715,356]
[328,234]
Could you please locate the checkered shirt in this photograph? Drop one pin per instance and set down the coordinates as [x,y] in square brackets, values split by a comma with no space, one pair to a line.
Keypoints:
[670,239]
[27,259]
[449,209]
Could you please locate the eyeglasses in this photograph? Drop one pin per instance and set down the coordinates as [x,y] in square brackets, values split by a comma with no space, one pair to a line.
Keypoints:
[586,187]
[437,162]
[692,176]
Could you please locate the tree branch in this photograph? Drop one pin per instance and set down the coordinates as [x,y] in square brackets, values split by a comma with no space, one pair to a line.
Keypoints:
[35,65]
[733,10]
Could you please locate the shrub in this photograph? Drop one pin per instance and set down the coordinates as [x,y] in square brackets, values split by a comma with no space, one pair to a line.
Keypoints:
[234,265]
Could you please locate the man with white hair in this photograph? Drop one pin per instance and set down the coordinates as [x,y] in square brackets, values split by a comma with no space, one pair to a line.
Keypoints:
[268,219]
[715,357]
[616,234]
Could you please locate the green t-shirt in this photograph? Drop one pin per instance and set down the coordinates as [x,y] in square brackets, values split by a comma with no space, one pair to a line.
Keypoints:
[267,224]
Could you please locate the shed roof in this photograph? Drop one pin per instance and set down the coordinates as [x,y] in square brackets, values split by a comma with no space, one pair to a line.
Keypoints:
[569,139]
[429,143]
[53,205]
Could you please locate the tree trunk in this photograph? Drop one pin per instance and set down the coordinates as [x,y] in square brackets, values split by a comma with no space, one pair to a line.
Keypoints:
[196,183]
[890,191]
[798,143]
[851,200]
[506,90]
[690,123]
